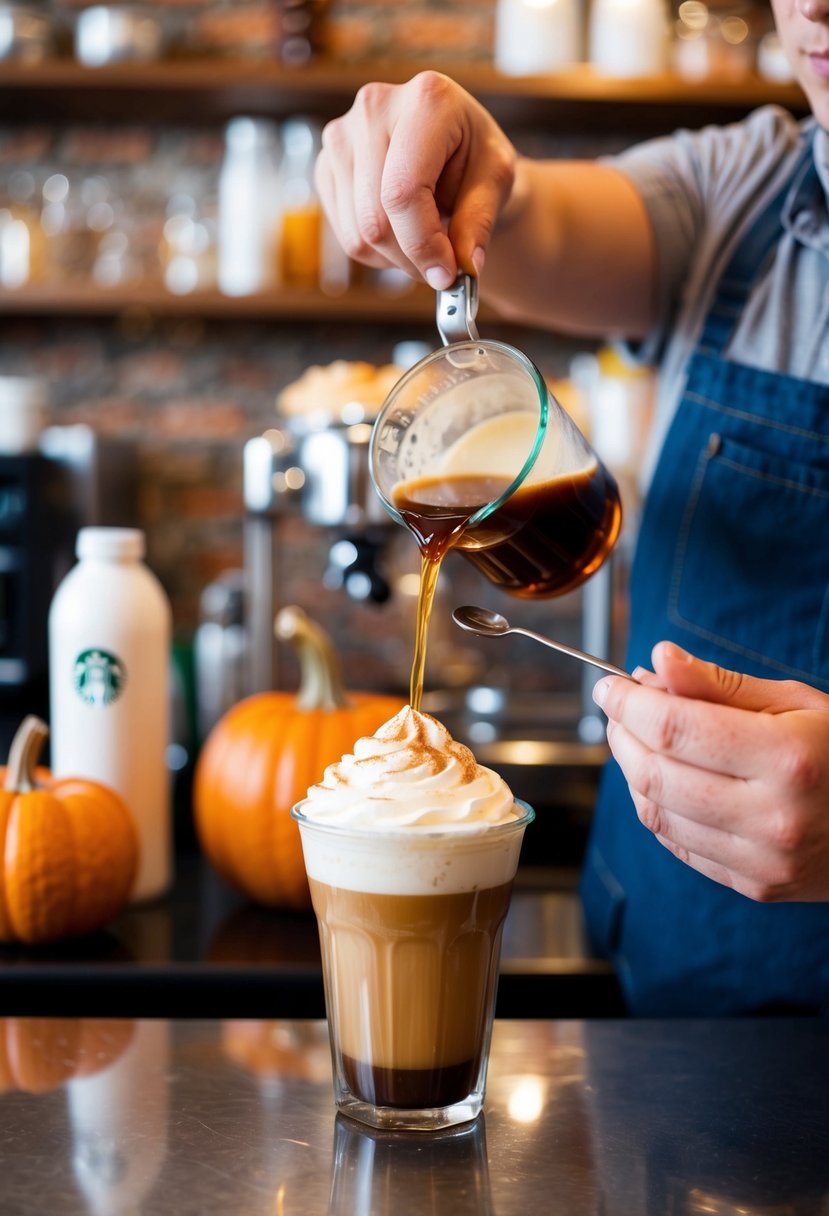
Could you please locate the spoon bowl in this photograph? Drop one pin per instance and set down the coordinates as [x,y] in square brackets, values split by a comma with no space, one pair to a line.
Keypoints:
[489,624]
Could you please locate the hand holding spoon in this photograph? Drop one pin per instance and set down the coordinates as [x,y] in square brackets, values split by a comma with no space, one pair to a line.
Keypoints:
[492,625]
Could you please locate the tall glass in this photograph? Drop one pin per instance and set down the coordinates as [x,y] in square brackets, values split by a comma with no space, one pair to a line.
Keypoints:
[410,928]
[472,451]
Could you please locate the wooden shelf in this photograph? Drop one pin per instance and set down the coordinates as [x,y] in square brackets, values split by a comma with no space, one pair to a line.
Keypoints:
[200,91]
[203,92]
[84,300]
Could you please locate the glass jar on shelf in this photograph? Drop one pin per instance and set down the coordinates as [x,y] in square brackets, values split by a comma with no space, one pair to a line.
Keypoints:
[301,229]
[22,244]
[188,245]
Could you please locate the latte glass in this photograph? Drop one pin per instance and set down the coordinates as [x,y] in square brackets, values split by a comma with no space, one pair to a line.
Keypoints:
[410,925]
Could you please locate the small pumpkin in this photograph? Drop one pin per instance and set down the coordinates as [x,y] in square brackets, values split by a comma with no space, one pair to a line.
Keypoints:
[260,759]
[68,848]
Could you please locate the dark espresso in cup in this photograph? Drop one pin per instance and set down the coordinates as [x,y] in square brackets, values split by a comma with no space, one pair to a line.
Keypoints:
[545,539]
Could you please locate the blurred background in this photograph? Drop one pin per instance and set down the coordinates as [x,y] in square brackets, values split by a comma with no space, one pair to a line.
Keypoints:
[167,281]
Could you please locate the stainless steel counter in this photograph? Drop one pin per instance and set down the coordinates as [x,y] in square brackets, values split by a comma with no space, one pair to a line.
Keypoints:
[606,1118]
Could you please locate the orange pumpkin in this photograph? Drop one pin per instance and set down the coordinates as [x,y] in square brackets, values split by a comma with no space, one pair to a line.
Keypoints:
[39,1054]
[68,849]
[260,759]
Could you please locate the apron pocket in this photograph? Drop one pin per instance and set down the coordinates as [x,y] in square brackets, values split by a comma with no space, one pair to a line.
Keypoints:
[754,523]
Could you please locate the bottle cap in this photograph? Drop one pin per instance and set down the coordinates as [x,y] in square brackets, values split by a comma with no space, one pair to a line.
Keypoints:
[111,544]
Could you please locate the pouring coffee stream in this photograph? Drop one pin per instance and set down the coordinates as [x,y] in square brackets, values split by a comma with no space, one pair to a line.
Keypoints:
[489,624]
[472,452]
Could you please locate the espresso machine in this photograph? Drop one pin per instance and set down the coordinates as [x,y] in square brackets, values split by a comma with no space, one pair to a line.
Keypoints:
[318,468]
[72,478]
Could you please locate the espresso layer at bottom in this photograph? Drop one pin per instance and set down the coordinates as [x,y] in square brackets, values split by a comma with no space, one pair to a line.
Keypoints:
[410,1088]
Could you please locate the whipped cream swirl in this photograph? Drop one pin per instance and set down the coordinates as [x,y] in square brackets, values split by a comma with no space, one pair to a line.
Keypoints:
[410,774]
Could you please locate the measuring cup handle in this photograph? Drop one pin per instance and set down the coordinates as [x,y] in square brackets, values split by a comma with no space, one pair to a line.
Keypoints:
[456,310]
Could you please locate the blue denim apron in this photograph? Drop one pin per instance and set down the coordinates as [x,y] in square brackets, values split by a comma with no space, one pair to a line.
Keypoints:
[732,563]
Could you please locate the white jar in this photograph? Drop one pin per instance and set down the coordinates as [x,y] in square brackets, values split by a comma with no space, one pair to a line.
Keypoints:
[249,207]
[109,687]
[534,37]
[629,37]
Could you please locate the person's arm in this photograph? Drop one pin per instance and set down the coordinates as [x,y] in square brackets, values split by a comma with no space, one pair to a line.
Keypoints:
[421,177]
[730,773]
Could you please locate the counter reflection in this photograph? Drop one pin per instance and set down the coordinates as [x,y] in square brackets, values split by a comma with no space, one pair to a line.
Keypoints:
[380,1174]
[119,1124]
[37,1055]
[275,1052]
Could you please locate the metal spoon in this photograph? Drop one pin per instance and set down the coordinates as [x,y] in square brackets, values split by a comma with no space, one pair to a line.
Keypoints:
[493,625]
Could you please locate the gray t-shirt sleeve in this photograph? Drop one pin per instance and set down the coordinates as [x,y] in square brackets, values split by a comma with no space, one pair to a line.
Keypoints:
[698,187]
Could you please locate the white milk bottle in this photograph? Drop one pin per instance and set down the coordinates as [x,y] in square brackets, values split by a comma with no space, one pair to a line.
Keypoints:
[109,676]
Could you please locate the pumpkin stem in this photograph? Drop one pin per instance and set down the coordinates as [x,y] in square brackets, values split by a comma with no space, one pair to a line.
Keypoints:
[321,684]
[23,754]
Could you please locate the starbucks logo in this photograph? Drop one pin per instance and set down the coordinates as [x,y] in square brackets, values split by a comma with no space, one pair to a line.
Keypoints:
[98,677]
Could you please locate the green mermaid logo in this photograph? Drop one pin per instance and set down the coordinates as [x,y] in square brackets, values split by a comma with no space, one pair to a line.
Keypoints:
[98,677]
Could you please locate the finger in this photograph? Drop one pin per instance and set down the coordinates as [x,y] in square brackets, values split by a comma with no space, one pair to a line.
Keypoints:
[718,738]
[370,153]
[478,200]
[660,783]
[713,829]
[762,888]
[686,837]
[703,865]
[688,676]
[411,173]
[336,179]
[649,678]
[428,179]
[750,871]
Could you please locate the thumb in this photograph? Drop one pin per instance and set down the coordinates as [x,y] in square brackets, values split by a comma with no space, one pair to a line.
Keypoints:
[685,675]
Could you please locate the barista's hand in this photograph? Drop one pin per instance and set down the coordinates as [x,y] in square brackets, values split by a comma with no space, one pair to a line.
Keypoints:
[729,772]
[414,176]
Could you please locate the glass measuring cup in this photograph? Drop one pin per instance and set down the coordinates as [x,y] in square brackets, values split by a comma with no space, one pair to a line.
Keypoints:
[472,451]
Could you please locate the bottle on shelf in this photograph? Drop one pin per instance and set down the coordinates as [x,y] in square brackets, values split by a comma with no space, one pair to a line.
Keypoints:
[537,36]
[249,207]
[629,37]
[22,246]
[109,687]
[301,229]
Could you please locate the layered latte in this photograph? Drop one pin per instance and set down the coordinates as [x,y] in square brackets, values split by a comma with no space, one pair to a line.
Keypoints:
[411,849]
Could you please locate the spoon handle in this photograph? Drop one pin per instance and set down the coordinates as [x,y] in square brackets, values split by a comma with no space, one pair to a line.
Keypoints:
[574,652]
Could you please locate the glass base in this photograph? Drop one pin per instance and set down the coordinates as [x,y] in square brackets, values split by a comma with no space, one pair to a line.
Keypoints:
[395,1118]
